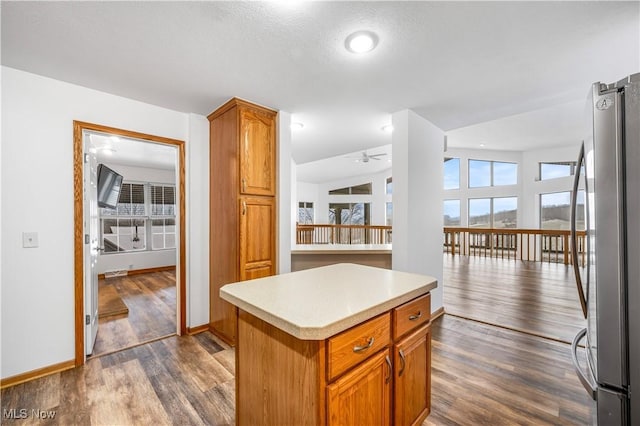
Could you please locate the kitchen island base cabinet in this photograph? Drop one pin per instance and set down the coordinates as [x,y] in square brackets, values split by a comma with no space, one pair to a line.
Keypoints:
[412,357]
[376,372]
[363,396]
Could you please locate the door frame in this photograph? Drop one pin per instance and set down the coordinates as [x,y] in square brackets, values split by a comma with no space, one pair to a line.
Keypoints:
[78,235]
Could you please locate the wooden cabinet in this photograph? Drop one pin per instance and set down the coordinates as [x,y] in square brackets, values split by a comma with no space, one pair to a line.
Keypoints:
[242,204]
[362,396]
[375,373]
[412,396]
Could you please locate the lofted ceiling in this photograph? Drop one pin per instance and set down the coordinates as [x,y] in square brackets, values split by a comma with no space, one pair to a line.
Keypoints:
[457,64]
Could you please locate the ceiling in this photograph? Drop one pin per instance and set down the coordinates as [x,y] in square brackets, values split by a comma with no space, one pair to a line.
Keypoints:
[132,152]
[455,63]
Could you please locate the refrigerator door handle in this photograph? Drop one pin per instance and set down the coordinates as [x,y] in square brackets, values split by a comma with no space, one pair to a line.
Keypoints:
[574,236]
[590,387]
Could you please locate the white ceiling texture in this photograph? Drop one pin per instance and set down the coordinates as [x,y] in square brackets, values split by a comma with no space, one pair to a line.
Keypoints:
[464,66]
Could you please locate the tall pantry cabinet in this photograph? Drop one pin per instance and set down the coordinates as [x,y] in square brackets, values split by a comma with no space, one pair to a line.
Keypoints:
[242,203]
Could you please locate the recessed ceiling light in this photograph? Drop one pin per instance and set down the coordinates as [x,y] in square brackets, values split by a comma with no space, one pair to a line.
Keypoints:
[388,128]
[361,42]
[296,125]
[481,145]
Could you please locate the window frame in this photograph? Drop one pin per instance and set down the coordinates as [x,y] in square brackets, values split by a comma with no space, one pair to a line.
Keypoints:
[491,173]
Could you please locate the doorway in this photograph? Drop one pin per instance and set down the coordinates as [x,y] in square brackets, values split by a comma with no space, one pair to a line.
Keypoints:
[148,221]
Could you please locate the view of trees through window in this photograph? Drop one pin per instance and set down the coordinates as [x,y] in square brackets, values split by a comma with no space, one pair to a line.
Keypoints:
[451,212]
[555,210]
[305,213]
[350,213]
[493,212]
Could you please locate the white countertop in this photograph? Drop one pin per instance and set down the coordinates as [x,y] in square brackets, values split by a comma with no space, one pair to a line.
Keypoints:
[318,303]
[341,248]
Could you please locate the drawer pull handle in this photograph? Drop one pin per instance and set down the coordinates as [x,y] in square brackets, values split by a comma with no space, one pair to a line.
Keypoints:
[402,363]
[244,185]
[390,368]
[244,208]
[364,347]
[416,316]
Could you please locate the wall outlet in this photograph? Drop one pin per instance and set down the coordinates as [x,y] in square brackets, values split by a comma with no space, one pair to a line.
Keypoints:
[29,239]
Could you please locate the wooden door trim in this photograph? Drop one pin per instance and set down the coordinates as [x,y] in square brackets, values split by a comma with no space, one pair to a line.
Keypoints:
[78,218]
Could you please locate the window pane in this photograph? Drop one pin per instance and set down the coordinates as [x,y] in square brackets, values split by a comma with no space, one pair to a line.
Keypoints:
[555,211]
[349,213]
[505,212]
[361,189]
[479,173]
[555,170]
[305,213]
[389,186]
[389,214]
[340,191]
[505,173]
[451,173]
[479,213]
[451,212]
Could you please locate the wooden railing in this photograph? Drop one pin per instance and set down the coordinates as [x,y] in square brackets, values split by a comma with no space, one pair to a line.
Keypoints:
[343,234]
[538,245]
[542,245]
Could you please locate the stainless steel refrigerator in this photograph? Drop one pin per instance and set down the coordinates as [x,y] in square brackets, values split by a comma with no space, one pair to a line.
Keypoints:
[609,284]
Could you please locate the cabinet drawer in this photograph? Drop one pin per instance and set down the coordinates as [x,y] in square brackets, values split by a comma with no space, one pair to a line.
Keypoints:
[410,315]
[353,346]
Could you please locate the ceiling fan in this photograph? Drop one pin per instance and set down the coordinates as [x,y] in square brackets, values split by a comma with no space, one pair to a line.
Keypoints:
[364,158]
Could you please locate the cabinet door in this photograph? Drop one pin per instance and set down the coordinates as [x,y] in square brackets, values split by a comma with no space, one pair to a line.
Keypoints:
[362,396]
[257,152]
[257,237]
[412,362]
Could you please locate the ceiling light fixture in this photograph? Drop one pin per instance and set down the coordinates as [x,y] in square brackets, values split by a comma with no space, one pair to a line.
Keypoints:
[388,128]
[296,125]
[361,42]
[481,145]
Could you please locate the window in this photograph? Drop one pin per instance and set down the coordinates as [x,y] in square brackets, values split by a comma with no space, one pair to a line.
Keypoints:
[163,222]
[492,173]
[389,185]
[451,173]
[143,210]
[349,213]
[493,212]
[305,213]
[557,169]
[389,214]
[451,212]
[555,210]
[480,213]
[365,188]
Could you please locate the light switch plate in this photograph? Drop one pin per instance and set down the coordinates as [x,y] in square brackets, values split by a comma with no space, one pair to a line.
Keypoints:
[29,239]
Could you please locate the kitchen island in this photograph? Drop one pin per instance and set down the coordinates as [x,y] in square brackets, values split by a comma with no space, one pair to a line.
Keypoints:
[340,344]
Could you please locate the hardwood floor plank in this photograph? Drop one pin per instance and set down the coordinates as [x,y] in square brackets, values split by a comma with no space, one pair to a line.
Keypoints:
[533,297]
[481,374]
[151,299]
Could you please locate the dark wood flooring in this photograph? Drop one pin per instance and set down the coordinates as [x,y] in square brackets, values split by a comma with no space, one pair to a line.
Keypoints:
[481,375]
[533,297]
[151,299]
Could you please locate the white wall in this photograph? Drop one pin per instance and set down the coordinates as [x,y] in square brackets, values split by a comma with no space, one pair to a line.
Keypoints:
[37,144]
[197,226]
[139,259]
[417,198]
[286,189]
